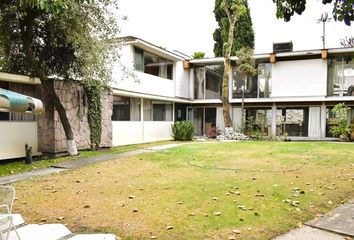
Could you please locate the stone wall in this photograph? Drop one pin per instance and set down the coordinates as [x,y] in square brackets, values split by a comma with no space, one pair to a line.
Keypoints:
[51,134]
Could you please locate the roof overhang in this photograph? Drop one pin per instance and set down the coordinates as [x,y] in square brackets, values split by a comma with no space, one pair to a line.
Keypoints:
[149,47]
[16,78]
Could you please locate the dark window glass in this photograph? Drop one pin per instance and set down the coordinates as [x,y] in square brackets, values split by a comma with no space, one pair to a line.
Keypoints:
[121,109]
[152,64]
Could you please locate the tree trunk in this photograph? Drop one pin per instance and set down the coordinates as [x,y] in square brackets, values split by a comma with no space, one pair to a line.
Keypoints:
[225,93]
[242,108]
[227,69]
[48,85]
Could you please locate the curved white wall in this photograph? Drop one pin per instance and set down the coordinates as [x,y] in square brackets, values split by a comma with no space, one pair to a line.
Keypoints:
[14,136]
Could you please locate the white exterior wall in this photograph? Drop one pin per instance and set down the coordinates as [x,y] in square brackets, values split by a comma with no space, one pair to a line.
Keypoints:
[136,81]
[182,81]
[14,136]
[299,78]
[125,132]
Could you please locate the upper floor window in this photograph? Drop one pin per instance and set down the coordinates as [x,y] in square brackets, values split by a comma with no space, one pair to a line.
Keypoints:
[152,64]
[340,77]
[208,81]
[258,86]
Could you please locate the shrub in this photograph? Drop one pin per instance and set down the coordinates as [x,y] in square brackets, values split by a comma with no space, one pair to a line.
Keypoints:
[340,129]
[213,132]
[182,131]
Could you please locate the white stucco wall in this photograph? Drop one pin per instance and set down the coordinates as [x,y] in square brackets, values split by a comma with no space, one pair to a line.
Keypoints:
[124,132]
[14,136]
[299,78]
[182,81]
[126,78]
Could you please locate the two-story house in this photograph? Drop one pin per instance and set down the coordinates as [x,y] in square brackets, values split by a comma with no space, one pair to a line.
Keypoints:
[292,93]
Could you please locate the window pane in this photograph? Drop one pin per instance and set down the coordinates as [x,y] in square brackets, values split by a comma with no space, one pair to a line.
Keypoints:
[293,122]
[157,66]
[126,109]
[264,80]
[139,59]
[199,78]
[340,77]
[214,77]
[259,121]
[250,85]
[157,111]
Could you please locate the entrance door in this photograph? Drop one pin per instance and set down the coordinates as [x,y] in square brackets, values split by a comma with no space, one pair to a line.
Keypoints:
[203,119]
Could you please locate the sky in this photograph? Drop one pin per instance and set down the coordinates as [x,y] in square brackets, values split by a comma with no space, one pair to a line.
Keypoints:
[188,25]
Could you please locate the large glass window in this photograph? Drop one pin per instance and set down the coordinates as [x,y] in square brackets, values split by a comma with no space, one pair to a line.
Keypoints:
[340,77]
[331,120]
[126,109]
[158,111]
[293,122]
[203,118]
[259,121]
[152,64]
[208,81]
[258,86]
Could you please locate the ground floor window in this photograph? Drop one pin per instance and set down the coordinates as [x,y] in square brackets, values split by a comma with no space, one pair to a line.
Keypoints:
[126,109]
[293,121]
[158,110]
[258,121]
[331,120]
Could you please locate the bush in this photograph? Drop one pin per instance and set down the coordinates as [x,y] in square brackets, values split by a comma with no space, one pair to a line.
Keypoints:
[340,129]
[182,131]
[213,132]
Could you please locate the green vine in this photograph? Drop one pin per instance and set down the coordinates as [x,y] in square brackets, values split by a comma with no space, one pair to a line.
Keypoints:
[94,115]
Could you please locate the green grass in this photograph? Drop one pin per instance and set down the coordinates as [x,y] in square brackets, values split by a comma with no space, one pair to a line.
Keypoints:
[18,166]
[183,187]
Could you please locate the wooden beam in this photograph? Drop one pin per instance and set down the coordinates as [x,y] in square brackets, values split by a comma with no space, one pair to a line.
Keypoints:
[272,58]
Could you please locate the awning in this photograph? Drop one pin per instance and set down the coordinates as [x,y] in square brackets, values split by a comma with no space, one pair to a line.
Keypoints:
[15,102]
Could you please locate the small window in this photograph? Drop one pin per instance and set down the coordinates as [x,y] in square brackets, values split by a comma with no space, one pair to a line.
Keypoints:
[139,59]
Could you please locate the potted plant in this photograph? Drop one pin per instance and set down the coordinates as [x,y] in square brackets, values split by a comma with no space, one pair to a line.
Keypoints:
[340,129]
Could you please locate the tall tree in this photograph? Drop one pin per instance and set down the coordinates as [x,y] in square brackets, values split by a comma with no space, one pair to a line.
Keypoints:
[61,39]
[233,9]
[243,35]
[343,10]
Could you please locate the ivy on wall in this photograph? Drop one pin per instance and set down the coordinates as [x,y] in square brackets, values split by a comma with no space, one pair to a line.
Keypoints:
[94,115]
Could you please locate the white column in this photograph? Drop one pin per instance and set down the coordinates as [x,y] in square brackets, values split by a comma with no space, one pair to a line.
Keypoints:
[173,111]
[274,120]
[323,121]
[142,118]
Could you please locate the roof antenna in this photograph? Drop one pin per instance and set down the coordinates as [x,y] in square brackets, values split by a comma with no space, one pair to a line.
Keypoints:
[324,19]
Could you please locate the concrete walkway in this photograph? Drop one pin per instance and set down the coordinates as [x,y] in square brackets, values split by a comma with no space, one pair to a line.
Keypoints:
[335,225]
[80,163]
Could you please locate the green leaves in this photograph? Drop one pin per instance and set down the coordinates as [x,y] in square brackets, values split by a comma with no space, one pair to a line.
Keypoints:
[340,112]
[183,131]
[94,115]
[246,64]
[342,9]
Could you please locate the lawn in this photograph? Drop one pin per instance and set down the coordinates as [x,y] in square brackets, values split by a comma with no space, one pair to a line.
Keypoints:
[13,167]
[197,191]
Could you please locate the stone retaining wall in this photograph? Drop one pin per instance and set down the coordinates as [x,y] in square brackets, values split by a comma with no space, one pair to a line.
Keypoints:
[51,134]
